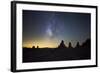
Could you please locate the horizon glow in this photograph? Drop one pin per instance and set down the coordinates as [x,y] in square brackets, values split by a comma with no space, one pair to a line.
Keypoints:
[47,29]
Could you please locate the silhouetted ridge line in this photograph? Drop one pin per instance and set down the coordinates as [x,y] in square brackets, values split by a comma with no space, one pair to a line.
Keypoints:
[85,44]
[61,53]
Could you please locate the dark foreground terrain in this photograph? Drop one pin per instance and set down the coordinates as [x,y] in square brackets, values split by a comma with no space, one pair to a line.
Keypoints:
[37,55]
[57,54]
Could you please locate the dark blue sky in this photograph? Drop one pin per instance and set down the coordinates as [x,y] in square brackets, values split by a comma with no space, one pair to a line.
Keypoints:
[47,29]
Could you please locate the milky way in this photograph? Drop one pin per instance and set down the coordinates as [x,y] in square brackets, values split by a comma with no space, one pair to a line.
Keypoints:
[47,29]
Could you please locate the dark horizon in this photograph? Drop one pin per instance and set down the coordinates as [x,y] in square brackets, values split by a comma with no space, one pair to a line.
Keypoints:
[59,44]
[47,28]
[80,52]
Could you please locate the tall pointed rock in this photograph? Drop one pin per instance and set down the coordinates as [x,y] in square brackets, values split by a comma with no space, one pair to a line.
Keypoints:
[62,45]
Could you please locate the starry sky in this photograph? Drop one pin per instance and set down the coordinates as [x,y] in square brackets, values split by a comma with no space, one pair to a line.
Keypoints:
[48,28]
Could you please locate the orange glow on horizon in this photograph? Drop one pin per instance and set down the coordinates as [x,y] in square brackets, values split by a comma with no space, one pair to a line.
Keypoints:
[41,45]
[49,44]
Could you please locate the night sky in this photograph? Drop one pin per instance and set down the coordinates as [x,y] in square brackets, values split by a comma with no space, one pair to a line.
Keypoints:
[47,28]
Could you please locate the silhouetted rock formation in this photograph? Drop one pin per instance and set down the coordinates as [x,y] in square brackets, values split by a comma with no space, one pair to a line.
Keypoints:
[37,46]
[61,53]
[86,44]
[62,45]
[77,45]
[70,45]
[33,47]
